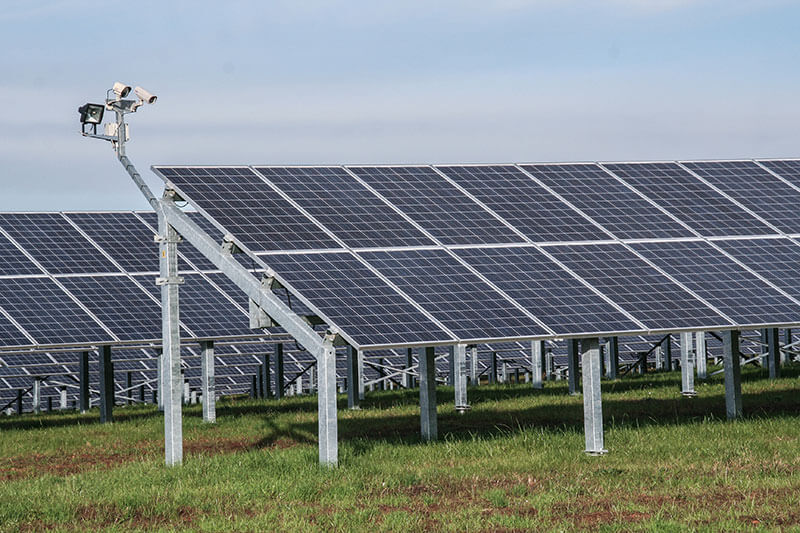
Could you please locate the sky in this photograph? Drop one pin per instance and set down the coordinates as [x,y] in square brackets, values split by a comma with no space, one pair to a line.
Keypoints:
[360,82]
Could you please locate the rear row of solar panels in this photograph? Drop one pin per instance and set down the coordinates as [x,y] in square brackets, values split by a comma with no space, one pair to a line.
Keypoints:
[420,254]
[88,278]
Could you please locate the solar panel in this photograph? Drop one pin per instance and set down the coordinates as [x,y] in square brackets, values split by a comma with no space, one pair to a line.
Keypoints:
[10,335]
[458,298]
[54,243]
[690,200]
[435,204]
[122,236]
[345,207]
[13,262]
[356,299]
[205,310]
[723,283]
[777,260]
[548,291]
[47,313]
[230,288]
[185,248]
[788,169]
[756,189]
[609,202]
[636,286]
[245,205]
[523,203]
[120,304]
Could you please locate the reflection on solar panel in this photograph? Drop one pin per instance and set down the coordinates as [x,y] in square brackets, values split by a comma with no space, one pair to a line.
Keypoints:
[345,207]
[356,299]
[551,293]
[52,241]
[609,202]
[456,297]
[123,236]
[13,262]
[756,189]
[47,313]
[726,285]
[245,205]
[777,260]
[521,201]
[120,304]
[636,286]
[689,199]
[436,205]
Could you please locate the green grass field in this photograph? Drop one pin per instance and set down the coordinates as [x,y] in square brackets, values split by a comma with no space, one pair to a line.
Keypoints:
[513,463]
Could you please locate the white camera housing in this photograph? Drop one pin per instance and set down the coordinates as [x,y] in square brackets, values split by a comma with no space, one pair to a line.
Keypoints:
[145,95]
[120,89]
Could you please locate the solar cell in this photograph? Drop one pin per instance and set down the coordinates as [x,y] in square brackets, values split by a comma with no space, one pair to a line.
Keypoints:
[10,335]
[514,196]
[120,304]
[436,205]
[756,189]
[185,248]
[356,299]
[122,236]
[47,313]
[723,283]
[344,206]
[454,295]
[13,262]
[777,260]
[54,243]
[788,169]
[546,290]
[690,200]
[241,202]
[636,286]
[609,202]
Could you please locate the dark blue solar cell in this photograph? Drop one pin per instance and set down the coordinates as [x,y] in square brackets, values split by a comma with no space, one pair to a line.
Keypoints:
[608,201]
[47,313]
[756,189]
[246,206]
[185,249]
[788,169]
[724,284]
[556,298]
[120,304]
[437,205]
[522,202]
[637,287]
[122,236]
[355,299]
[688,199]
[454,295]
[13,262]
[777,260]
[52,241]
[10,335]
[345,207]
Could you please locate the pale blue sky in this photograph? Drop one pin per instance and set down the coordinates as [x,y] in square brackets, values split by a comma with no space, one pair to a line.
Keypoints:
[318,81]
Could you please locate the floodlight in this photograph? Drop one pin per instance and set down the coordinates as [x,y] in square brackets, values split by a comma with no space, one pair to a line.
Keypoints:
[91,113]
[145,96]
[120,89]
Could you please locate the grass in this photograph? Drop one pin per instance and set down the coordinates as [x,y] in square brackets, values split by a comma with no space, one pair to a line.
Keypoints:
[512,463]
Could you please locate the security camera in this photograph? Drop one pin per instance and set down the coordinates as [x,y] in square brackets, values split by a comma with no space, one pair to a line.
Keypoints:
[120,89]
[145,95]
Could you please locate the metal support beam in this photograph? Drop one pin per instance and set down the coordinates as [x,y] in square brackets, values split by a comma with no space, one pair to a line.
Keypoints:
[83,382]
[172,381]
[160,379]
[667,350]
[208,390]
[265,376]
[787,340]
[548,365]
[572,366]
[128,387]
[687,365]
[474,378]
[326,403]
[37,395]
[106,385]
[700,356]
[279,371]
[260,389]
[381,374]
[361,381]
[408,377]
[537,361]
[733,375]
[451,366]
[592,399]
[19,401]
[493,369]
[460,363]
[62,398]
[612,368]
[427,394]
[254,387]
[352,378]
[773,353]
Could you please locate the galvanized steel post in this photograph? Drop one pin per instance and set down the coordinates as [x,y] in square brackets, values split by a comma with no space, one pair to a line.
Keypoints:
[687,365]
[427,394]
[592,399]
[207,381]
[733,376]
